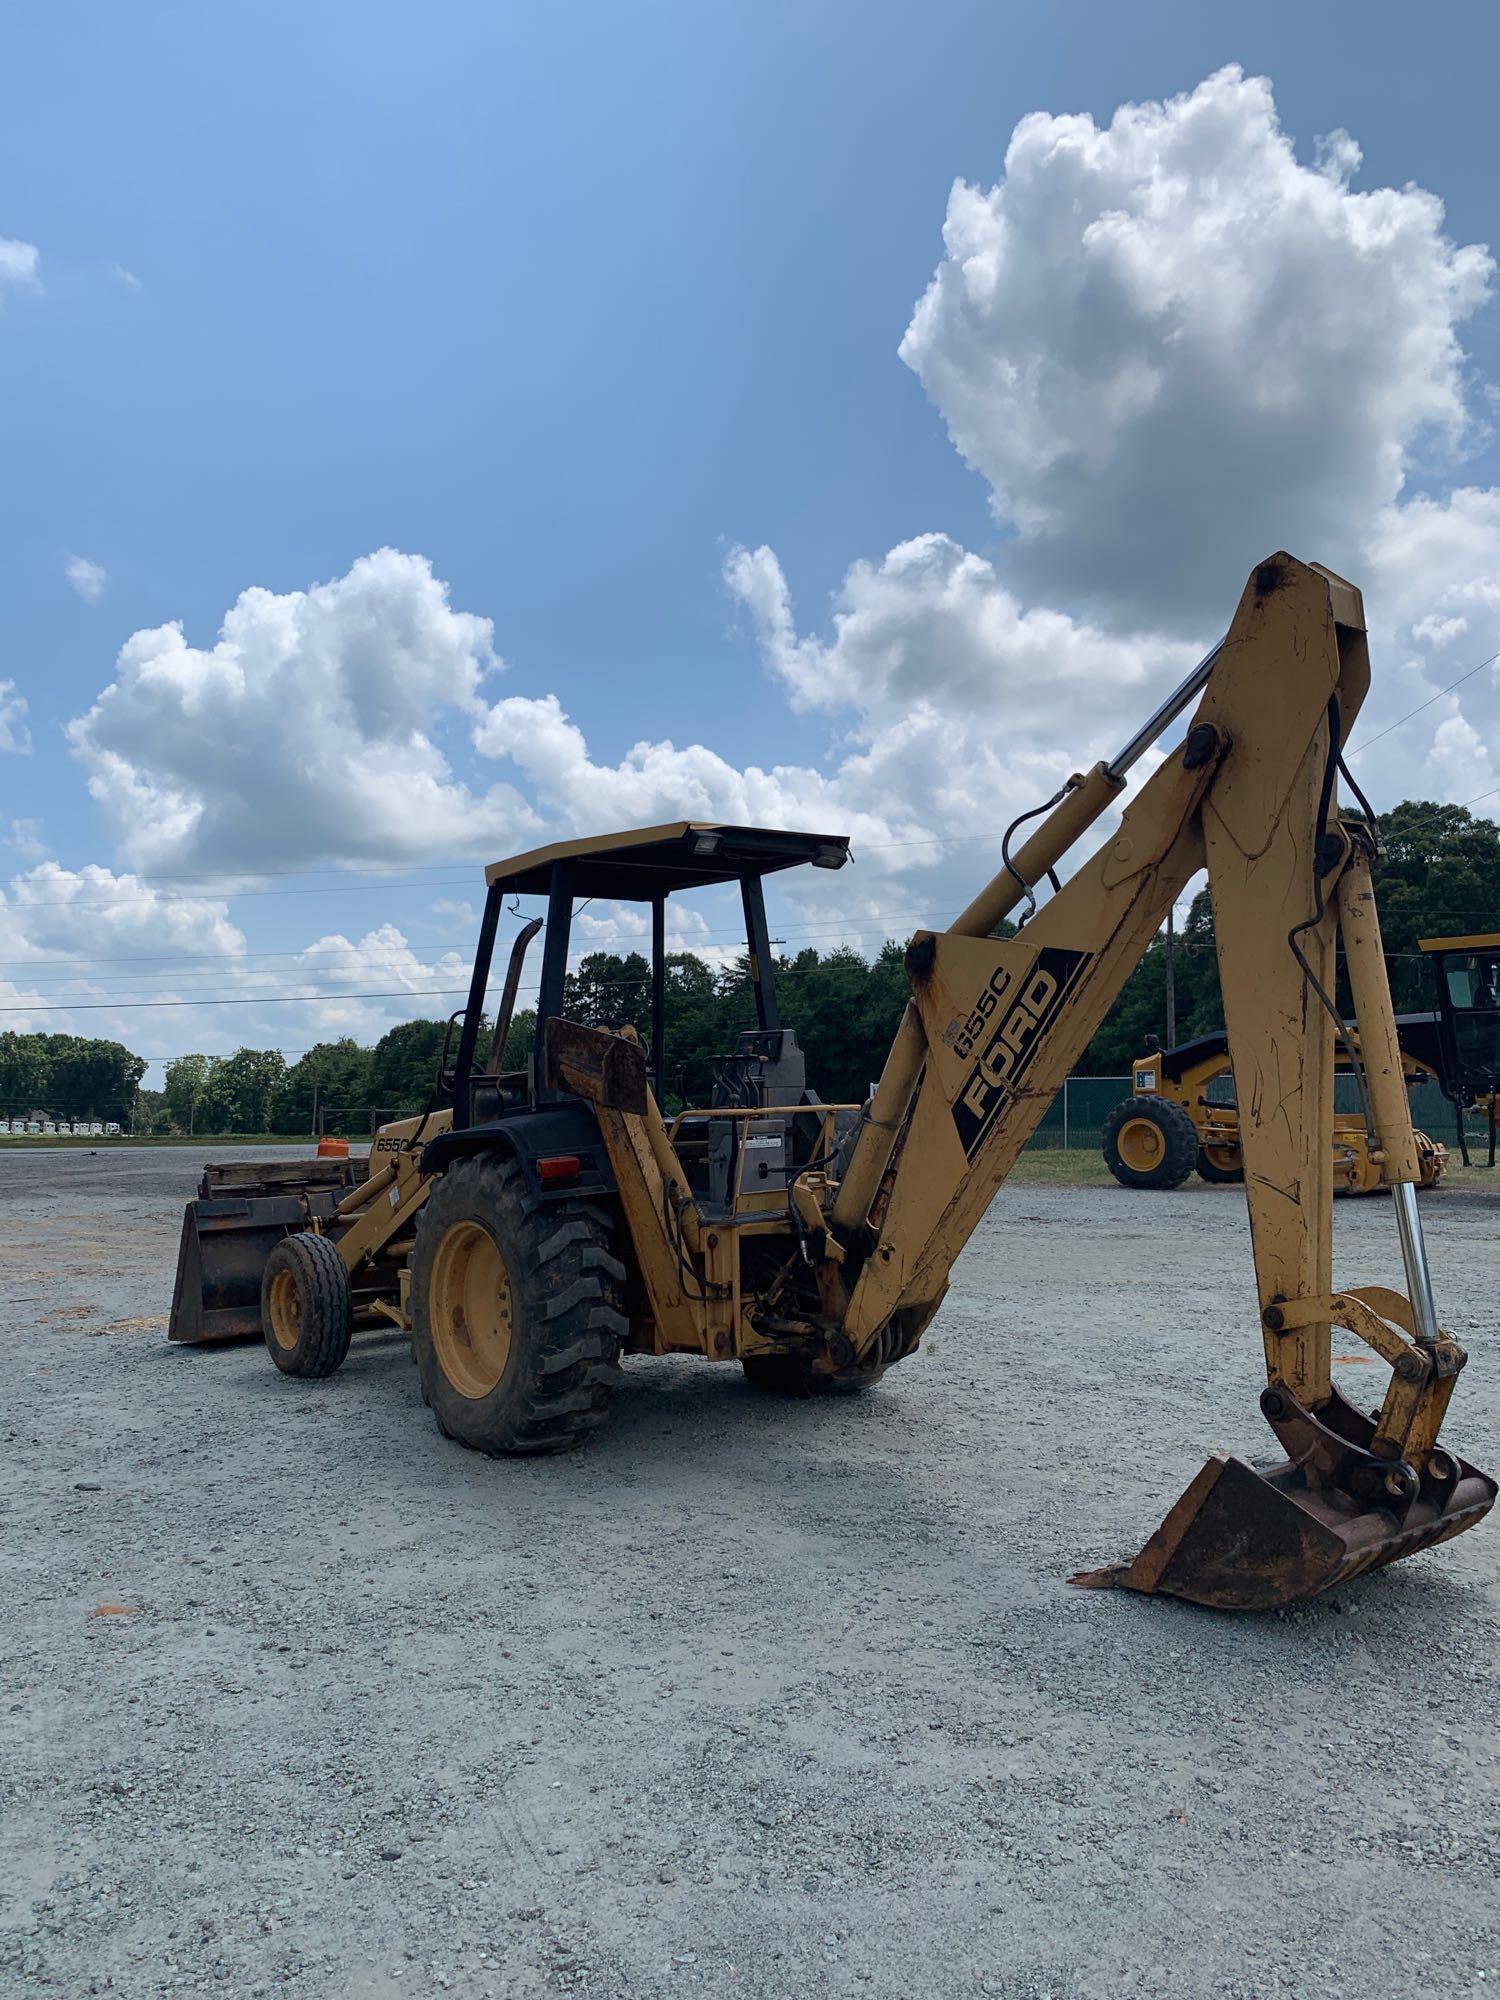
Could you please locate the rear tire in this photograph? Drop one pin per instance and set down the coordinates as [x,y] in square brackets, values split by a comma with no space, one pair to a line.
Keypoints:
[515,1312]
[1149,1142]
[306,1314]
[1210,1170]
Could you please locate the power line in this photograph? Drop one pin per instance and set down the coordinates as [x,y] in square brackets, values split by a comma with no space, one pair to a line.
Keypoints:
[242,958]
[1423,704]
[228,895]
[352,888]
[351,964]
[238,1000]
[239,958]
[164,958]
[53,1002]
[287,1055]
[256,874]
[426,956]
[253,1000]
[879,921]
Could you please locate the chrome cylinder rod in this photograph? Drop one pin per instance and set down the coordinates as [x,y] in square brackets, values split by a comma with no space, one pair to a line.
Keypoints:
[1166,715]
[1414,1258]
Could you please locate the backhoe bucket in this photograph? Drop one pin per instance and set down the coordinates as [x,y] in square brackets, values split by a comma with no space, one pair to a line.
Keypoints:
[1255,1537]
[241,1214]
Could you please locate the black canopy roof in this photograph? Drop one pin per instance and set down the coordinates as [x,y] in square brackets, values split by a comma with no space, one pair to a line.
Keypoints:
[655,861]
[1418,1035]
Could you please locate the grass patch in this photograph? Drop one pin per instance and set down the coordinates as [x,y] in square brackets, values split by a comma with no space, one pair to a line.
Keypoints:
[1083,1166]
[19,1141]
[1059,1166]
[1469,1180]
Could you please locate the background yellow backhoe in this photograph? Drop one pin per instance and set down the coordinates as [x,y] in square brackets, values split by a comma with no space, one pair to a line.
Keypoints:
[1181,1118]
[534,1227]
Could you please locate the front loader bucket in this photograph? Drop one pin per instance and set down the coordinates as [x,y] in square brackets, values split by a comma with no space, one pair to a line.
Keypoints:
[243,1210]
[225,1244]
[1255,1537]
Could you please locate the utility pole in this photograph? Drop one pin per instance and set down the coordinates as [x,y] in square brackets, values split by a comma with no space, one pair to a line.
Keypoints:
[1171,981]
[316,1133]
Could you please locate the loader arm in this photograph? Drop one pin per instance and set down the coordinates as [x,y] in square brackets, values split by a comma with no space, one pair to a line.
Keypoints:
[996,1025]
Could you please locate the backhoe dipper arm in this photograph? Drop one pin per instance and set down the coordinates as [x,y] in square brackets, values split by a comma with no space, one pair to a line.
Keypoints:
[998,1024]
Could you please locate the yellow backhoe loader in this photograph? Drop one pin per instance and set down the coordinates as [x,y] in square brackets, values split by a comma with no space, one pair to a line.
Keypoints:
[533,1227]
[1181,1117]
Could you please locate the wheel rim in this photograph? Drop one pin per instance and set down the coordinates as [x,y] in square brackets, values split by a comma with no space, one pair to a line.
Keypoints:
[1226,1159]
[286,1310]
[1141,1145]
[469,1309]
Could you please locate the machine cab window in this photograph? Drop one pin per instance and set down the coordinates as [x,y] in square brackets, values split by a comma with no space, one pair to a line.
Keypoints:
[1468,992]
[1473,981]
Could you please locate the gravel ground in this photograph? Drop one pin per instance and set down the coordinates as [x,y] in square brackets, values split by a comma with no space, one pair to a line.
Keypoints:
[746,1698]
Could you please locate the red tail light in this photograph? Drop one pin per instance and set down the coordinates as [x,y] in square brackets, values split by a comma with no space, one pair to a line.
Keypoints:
[559,1167]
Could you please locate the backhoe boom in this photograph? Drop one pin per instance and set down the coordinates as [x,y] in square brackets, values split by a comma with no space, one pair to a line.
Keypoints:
[995,1025]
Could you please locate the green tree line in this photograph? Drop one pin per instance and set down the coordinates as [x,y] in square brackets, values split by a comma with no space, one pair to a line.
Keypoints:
[67,1076]
[843,1007]
[1441,876]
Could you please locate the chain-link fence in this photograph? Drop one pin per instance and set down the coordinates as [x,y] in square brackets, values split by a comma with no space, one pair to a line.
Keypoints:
[1075,1118]
[357,1121]
[1076,1115]
[1434,1115]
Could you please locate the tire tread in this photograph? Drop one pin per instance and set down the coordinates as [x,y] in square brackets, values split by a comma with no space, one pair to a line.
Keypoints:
[568,1293]
[327,1317]
[1175,1126]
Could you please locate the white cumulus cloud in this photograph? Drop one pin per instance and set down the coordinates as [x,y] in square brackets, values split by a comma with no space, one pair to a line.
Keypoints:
[932,622]
[52,912]
[80,949]
[658,781]
[1458,765]
[1432,593]
[1170,346]
[14,735]
[309,729]
[87,578]
[20,264]
[26,838]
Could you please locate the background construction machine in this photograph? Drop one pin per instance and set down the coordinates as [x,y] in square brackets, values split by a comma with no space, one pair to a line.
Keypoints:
[1467,1052]
[1181,1118]
[1181,1114]
[532,1228]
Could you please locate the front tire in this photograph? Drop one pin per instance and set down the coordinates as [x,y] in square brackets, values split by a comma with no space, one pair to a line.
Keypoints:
[515,1312]
[1149,1142]
[1219,1171]
[306,1314]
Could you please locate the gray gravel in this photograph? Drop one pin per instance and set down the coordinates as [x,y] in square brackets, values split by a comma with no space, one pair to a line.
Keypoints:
[746,1698]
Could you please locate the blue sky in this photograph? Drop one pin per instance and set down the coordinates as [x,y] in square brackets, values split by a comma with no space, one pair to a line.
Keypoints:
[573,303]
